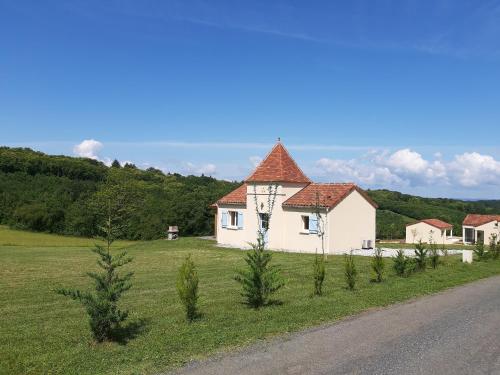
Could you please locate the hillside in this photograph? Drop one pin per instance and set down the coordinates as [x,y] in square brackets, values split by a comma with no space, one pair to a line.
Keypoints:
[55,194]
[397,209]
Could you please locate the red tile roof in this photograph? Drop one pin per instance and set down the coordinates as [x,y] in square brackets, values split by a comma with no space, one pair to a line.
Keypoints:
[327,195]
[278,166]
[237,196]
[440,224]
[475,220]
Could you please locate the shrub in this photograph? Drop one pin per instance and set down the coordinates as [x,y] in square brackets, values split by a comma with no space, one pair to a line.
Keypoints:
[350,271]
[420,255]
[434,254]
[480,251]
[403,265]
[261,279]
[318,274]
[444,251]
[378,265]
[494,248]
[102,306]
[187,288]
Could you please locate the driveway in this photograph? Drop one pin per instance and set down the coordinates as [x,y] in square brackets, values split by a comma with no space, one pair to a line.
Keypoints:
[454,332]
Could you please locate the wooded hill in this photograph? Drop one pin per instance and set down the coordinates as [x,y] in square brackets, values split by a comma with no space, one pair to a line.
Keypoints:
[398,209]
[56,193]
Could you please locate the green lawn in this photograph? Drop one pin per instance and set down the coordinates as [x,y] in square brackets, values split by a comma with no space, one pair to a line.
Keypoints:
[12,237]
[42,332]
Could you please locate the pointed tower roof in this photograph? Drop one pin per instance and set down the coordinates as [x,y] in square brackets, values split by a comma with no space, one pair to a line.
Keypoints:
[278,166]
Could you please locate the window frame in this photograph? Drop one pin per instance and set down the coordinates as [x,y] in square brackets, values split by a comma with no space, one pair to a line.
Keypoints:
[305,219]
[233,219]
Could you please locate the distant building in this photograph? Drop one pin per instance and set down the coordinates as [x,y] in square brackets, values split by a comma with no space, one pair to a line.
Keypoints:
[347,213]
[480,228]
[439,231]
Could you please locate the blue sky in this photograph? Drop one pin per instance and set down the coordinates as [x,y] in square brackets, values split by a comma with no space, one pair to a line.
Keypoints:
[397,94]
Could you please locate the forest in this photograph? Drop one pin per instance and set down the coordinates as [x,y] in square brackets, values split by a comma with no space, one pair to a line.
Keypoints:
[57,194]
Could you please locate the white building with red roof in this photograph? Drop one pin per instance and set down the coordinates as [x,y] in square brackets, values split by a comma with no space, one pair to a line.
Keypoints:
[302,210]
[480,228]
[427,230]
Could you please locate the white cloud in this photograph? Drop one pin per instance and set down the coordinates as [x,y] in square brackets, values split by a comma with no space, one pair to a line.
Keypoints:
[405,167]
[255,160]
[208,169]
[472,169]
[89,148]
[356,171]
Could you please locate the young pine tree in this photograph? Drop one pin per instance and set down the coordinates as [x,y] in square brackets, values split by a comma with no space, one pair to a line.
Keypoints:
[378,265]
[102,304]
[187,288]
[399,264]
[480,251]
[434,254]
[318,274]
[260,280]
[494,247]
[350,272]
[420,255]
[112,204]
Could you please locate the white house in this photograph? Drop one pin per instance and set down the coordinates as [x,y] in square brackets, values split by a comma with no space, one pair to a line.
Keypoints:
[480,228]
[347,214]
[439,231]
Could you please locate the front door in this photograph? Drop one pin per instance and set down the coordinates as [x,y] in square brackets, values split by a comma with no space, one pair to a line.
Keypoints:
[264,227]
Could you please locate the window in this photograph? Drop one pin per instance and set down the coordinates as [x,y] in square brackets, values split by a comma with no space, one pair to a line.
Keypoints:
[305,223]
[264,221]
[233,218]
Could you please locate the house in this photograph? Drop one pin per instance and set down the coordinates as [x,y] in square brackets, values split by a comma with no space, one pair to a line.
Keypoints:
[438,231]
[302,210]
[480,228]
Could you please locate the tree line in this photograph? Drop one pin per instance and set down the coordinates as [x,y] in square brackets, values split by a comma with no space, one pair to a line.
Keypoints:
[56,193]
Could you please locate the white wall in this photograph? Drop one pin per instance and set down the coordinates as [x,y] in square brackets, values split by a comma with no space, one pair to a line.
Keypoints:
[295,238]
[423,233]
[350,222]
[229,236]
[488,228]
[346,226]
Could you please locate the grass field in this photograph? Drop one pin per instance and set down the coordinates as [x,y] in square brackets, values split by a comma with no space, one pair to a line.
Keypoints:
[42,332]
[11,237]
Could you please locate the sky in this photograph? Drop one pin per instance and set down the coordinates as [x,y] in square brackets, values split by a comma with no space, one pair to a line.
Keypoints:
[403,95]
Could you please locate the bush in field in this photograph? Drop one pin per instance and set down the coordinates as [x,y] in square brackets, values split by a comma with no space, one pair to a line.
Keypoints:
[261,279]
[434,254]
[102,305]
[378,265]
[420,255]
[350,271]
[480,251]
[318,274]
[494,247]
[444,251]
[187,288]
[403,265]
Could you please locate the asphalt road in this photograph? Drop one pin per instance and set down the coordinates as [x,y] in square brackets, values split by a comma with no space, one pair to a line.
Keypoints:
[454,332]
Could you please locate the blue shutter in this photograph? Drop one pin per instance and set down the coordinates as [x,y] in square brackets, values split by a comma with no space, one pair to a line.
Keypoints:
[223,219]
[313,224]
[240,220]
